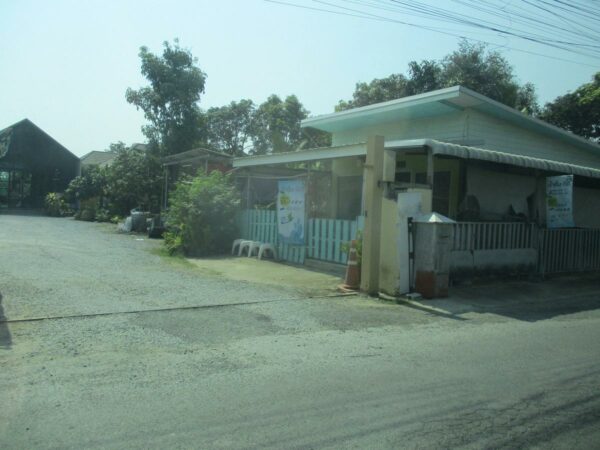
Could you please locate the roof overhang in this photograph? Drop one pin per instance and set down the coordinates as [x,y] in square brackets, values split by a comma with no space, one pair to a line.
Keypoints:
[437,103]
[481,154]
[437,148]
[313,154]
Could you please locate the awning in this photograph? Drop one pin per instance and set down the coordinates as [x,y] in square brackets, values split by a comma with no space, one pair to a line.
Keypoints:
[464,152]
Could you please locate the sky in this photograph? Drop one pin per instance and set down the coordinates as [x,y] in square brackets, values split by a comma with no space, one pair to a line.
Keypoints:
[65,64]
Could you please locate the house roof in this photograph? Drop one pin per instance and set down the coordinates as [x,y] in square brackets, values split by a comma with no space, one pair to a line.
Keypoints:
[437,103]
[6,134]
[97,158]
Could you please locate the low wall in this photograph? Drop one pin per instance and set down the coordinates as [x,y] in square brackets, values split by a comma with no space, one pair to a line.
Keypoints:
[509,261]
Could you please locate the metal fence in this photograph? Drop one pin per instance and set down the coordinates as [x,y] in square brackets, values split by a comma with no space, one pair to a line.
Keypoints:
[493,236]
[558,250]
[569,250]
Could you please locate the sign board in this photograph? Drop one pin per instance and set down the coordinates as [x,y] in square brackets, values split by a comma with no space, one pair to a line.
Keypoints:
[559,201]
[291,212]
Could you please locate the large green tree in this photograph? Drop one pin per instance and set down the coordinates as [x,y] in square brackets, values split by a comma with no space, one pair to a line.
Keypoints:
[170,102]
[578,111]
[242,127]
[472,65]
[230,128]
[276,125]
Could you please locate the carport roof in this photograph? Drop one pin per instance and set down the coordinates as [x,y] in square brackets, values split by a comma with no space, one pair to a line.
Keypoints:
[482,154]
[437,148]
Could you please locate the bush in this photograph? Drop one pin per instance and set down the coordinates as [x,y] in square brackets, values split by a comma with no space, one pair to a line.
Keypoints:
[102,215]
[202,214]
[173,243]
[87,209]
[55,205]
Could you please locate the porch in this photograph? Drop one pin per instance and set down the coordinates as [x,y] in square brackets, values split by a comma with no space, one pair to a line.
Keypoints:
[498,199]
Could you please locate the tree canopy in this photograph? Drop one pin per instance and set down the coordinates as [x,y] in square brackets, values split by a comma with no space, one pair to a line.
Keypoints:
[230,128]
[170,102]
[473,66]
[578,111]
[277,125]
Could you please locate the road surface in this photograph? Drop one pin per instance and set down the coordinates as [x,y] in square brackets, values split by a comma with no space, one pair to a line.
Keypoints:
[281,370]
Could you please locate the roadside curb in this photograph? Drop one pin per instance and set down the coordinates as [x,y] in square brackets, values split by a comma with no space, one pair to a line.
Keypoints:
[402,300]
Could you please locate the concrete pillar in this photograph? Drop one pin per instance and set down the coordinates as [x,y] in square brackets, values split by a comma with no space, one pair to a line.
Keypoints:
[373,173]
[433,245]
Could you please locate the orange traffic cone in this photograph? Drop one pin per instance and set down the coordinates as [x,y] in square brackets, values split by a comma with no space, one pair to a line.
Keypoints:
[352,280]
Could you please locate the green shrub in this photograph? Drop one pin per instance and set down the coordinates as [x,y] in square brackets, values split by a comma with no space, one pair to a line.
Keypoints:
[55,205]
[202,213]
[87,209]
[102,215]
[173,243]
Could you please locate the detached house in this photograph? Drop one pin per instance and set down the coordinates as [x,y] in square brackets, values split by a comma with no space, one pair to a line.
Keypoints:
[470,158]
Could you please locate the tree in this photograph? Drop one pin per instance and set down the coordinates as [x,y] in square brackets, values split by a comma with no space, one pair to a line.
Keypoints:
[276,126]
[483,71]
[578,111]
[377,91]
[134,179]
[229,128]
[473,66]
[91,183]
[170,102]
[424,76]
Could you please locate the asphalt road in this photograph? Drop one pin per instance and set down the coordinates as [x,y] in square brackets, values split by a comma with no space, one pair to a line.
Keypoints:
[282,371]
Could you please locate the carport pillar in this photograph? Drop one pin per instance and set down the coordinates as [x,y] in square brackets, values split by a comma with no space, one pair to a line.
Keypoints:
[374,190]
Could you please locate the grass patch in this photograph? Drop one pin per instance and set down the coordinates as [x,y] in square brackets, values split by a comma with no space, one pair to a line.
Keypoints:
[174,260]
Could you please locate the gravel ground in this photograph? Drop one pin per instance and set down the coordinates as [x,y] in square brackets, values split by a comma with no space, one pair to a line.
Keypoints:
[56,267]
[501,366]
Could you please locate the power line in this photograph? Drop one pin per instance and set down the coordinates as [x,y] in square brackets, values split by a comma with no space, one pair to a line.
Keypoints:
[351,12]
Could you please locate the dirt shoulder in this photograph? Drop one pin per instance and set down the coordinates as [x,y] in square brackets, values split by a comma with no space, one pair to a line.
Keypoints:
[308,282]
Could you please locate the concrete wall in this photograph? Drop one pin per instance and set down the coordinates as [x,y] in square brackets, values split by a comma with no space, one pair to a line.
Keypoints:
[394,258]
[466,263]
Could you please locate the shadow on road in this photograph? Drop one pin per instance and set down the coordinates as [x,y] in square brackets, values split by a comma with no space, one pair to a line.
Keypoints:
[5,338]
[529,301]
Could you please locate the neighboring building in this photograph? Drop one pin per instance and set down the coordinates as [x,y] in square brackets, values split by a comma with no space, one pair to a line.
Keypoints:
[189,162]
[32,164]
[104,158]
[98,158]
[470,158]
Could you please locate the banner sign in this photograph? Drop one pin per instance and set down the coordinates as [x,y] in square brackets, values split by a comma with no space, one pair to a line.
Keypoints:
[290,212]
[559,201]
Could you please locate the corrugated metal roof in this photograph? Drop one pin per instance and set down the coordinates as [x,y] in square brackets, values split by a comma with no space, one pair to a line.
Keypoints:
[464,152]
